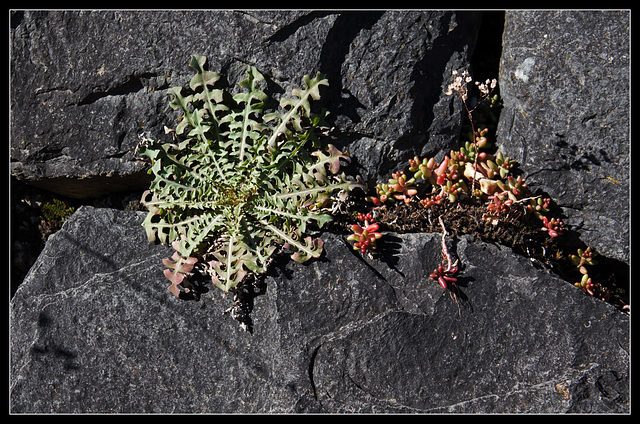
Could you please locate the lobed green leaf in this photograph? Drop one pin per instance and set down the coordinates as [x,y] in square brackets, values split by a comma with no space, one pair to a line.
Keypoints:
[239,184]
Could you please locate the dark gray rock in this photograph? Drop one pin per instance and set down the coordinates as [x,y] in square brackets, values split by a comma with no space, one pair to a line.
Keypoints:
[93,329]
[564,79]
[84,84]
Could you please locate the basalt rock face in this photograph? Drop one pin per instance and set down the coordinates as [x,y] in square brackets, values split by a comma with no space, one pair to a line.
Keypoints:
[93,329]
[564,80]
[85,84]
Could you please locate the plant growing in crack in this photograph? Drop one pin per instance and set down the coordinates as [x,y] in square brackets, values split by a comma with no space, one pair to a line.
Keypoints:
[469,172]
[364,236]
[239,185]
[471,178]
[586,257]
[445,276]
[459,86]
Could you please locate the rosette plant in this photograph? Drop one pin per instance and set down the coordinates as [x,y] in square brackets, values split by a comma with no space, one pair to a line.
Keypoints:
[239,184]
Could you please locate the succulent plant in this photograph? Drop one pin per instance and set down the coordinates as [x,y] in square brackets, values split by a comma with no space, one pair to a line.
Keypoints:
[444,277]
[584,257]
[552,226]
[539,206]
[364,236]
[421,168]
[500,202]
[586,285]
[480,178]
[240,184]
[580,261]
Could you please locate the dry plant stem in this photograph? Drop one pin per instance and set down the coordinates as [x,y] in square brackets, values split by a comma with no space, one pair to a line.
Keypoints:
[459,85]
[475,146]
[450,266]
[445,251]
[475,141]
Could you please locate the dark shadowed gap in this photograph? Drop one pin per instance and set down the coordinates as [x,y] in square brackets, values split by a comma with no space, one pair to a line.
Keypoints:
[485,61]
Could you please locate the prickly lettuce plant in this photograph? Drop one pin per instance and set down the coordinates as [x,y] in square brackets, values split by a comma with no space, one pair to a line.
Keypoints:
[239,184]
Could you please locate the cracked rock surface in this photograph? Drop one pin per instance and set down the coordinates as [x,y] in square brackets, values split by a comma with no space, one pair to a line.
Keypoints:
[565,83]
[85,84]
[95,330]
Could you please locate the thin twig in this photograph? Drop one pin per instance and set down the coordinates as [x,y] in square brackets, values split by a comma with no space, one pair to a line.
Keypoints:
[445,251]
